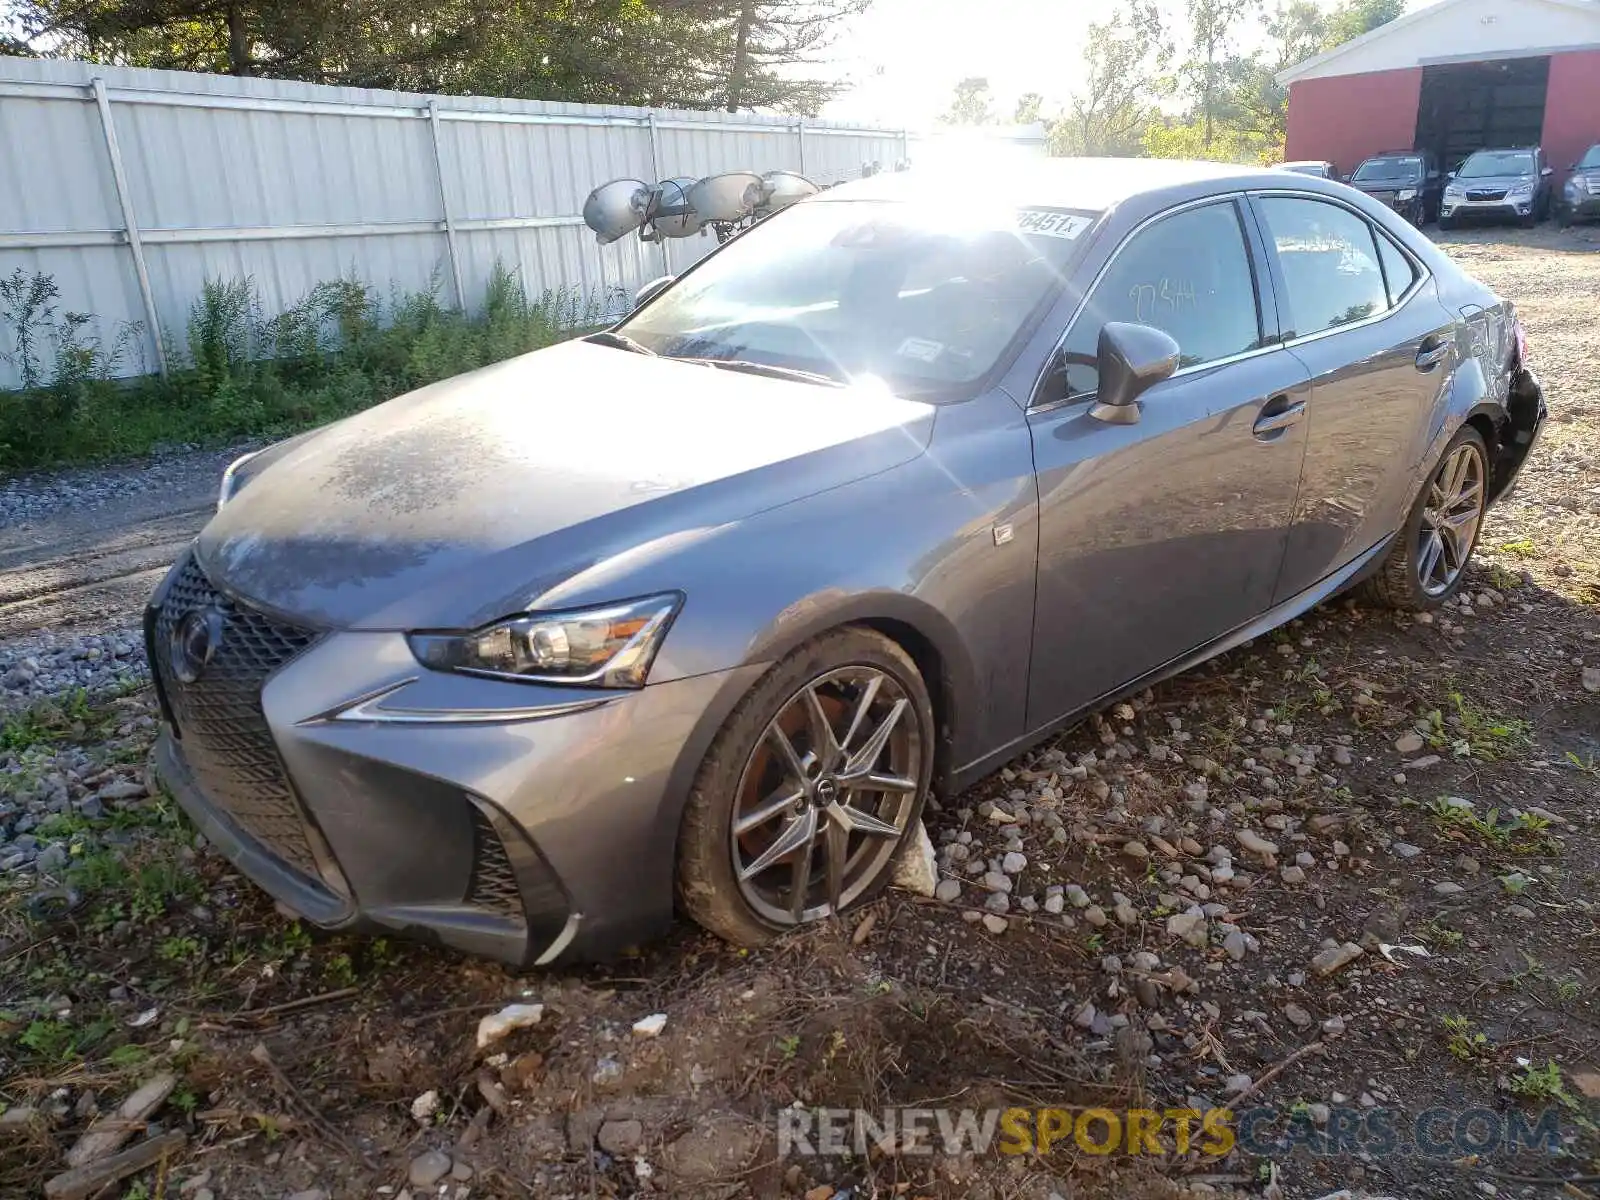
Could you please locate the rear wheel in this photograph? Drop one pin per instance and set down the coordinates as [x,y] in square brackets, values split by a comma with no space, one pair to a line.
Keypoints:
[809,790]
[1428,562]
[1446,224]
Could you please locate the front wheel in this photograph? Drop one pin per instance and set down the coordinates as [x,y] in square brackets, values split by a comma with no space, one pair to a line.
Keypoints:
[809,790]
[1428,562]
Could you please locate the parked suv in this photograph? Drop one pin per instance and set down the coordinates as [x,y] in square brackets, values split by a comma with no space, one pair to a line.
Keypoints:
[1580,199]
[1499,185]
[1408,181]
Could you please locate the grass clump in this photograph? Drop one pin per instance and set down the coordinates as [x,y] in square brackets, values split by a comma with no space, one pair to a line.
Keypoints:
[237,372]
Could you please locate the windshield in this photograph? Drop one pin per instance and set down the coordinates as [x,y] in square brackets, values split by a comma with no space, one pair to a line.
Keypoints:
[1388,168]
[1488,163]
[927,300]
[1590,160]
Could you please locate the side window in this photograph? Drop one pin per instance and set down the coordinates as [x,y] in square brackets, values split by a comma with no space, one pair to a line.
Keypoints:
[1330,265]
[1398,271]
[1188,275]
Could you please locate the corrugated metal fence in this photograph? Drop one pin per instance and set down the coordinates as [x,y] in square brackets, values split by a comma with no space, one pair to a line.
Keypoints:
[132,188]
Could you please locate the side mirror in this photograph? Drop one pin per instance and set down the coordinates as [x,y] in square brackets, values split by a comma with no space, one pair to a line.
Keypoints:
[1131,360]
[1449,174]
[651,290]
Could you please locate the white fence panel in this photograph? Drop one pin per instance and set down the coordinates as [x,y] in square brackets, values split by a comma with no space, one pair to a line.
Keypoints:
[291,184]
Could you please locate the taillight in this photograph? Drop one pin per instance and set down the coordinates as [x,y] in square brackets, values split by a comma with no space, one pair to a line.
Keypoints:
[1522,343]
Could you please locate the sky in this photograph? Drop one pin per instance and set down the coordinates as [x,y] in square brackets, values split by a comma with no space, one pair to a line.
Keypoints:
[907,56]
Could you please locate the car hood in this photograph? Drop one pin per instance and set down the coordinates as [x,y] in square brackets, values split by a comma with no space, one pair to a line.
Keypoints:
[467,499]
[1494,183]
[1386,185]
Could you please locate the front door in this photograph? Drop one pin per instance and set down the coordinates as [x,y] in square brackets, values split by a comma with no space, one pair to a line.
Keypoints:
[1159,536]
[1378,345]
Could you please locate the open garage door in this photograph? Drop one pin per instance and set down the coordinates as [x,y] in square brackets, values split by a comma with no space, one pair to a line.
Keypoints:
[1468,106]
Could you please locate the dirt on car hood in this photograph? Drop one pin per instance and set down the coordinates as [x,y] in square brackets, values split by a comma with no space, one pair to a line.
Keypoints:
[456,503]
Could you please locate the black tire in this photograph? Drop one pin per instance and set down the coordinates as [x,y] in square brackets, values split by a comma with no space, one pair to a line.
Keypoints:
[709,889]
[1398,583]
[1446,224]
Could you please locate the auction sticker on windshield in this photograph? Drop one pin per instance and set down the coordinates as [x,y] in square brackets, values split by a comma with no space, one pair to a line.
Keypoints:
[1051,222]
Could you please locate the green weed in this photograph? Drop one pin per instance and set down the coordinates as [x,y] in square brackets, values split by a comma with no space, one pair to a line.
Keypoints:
[1464,1042]
[237,372]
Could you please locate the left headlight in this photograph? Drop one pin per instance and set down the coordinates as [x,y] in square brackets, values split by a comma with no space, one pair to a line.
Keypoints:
[611,646]
[231,483]
[1407,194]
[1521,189]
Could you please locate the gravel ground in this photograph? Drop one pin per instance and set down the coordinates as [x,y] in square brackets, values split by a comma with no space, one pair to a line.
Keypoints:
[82,494]
[1347,869]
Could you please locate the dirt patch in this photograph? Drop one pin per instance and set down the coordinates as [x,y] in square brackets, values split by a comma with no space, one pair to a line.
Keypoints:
[1348,869]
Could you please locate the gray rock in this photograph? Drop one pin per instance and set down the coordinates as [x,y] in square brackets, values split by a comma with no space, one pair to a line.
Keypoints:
[1333,1026]
[997,881]
[1298,1017]
[1084,1017]
[1404,849]
[1341,756]
[1076,896]
[1014,863]
[1235,946]
[122,789]
[995,923]
[52,858]
[428,1168]
[620,1138]
[1096,916]
[1293,874]
[1336,957]
[1238,1083]
[1053,904]
[998,902]
[1448,889]
[948,890]
[1136,850]
[1409,743]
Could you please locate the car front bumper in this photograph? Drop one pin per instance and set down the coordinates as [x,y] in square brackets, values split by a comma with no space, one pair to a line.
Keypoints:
[1508,209]
[1586,208]
[523,823]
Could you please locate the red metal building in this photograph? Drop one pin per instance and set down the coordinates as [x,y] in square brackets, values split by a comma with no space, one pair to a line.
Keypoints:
[1454,77]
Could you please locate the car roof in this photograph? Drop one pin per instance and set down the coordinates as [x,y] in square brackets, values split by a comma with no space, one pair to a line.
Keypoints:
[1085,184]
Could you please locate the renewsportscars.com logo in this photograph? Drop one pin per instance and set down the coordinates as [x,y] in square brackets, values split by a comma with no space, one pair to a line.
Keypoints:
[1259,1131]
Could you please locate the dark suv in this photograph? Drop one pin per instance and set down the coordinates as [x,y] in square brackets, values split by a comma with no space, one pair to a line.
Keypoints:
[1408,181]
[1499,184]
[1580,198]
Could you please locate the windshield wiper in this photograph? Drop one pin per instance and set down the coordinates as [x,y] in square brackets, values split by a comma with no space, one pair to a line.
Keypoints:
[610,337]
[759,368]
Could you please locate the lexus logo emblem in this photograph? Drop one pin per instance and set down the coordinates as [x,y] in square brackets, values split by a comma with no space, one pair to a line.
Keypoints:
[193,643]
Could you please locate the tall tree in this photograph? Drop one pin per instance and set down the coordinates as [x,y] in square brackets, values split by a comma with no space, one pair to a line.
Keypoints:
[971,105]
[1352,18]
[1125,62]
[1253,100]
[778,52]
[672,53]
[1030,109]
[1213,23]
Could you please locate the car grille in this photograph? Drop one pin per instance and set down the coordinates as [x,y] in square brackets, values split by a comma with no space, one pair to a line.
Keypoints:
[494,883]
[1487,195]
[218,718]
[1383,197]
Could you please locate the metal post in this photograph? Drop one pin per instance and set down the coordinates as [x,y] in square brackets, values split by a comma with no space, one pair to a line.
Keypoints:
[655,177]
[129,223]
[800,132]
[444,204]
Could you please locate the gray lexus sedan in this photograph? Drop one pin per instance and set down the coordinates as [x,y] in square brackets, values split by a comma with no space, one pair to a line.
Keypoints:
[697,611]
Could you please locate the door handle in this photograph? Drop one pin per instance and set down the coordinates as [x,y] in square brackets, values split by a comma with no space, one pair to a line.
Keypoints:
[1432,353]
[1277,415]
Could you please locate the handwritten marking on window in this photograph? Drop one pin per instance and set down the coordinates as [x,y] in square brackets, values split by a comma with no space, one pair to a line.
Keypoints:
[1151,300]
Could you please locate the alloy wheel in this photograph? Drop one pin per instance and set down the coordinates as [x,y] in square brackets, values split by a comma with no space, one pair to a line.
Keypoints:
[826,795]
[1450,520]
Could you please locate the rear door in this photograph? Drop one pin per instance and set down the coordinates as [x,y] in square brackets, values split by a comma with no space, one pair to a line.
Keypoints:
[1159,536]
[1364,318]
